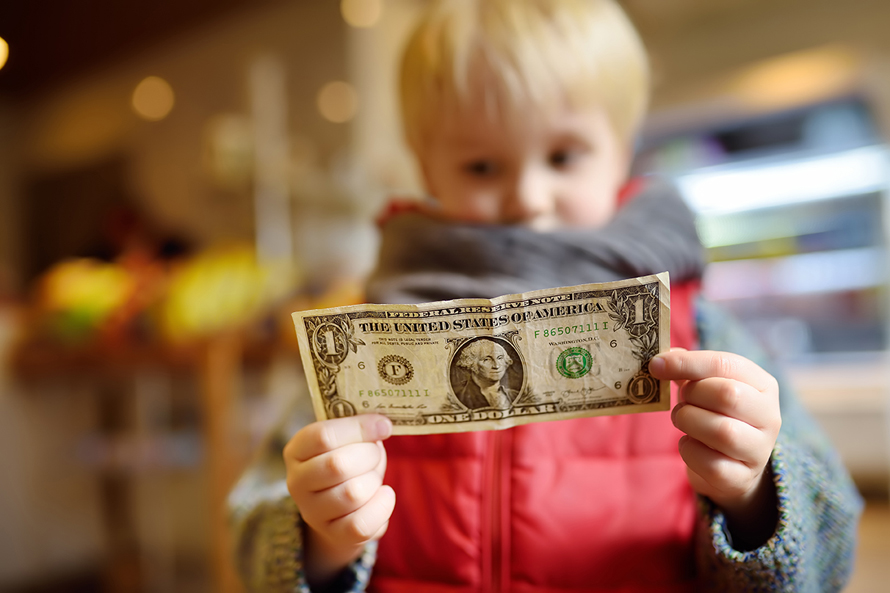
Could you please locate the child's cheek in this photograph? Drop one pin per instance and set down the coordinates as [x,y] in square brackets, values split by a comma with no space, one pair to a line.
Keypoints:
[587,211]
[483,207]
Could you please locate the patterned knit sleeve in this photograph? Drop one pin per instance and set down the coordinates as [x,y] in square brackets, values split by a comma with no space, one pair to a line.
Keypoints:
[268,532]
[813,546]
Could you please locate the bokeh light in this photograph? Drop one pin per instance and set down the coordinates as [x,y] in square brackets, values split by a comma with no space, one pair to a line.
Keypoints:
[337,102]
[361,13]
[4,51]
[153,98]
[798,78]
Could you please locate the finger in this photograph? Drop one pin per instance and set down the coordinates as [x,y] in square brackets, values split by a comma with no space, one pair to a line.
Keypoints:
[335,467]
[734,399]
[381,466]
[723,476]
[680,365]
[363,524]
[343,499]
[679,383]
[321,437]
[733,438]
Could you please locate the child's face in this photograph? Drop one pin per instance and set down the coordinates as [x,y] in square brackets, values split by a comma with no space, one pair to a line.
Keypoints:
[546,173]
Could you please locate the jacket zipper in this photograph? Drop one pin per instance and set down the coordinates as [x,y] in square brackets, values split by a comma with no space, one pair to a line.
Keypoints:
[499,505]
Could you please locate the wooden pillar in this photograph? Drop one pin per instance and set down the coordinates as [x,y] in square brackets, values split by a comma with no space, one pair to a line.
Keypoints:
[221,379]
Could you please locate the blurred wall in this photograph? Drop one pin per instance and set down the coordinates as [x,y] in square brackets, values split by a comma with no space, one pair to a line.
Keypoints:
[50,505]
[10,248]
[50,512]
[386,163]
[699,52]
[91,119]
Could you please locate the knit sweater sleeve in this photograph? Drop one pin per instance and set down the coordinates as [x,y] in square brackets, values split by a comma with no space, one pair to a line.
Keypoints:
[813,545]
[268,529]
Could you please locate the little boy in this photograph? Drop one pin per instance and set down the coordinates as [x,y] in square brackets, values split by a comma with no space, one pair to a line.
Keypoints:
[522,115]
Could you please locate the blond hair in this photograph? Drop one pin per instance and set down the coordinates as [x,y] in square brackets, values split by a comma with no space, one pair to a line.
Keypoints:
[518,54]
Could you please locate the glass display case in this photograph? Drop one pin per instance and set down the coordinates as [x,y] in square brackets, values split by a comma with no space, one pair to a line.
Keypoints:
[794,210]
[798,247]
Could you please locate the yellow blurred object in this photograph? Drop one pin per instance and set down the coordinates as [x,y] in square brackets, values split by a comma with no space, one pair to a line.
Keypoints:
[222,289]
[79,295]
[87,284]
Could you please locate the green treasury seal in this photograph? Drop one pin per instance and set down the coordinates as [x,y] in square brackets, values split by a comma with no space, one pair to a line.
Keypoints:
[574,362]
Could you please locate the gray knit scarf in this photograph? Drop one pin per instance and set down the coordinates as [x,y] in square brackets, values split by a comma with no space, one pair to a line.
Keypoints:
[425,259]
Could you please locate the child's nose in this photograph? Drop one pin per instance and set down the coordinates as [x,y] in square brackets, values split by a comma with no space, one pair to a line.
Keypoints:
[528,198]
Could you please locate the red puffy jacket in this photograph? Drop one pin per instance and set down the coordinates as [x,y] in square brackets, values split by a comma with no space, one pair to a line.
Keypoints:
[595,504]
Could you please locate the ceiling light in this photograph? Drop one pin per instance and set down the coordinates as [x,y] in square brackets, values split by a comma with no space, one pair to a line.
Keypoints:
[337,102]
[729,189]
[4,51]
[361,13]
[153,98]
[798,78]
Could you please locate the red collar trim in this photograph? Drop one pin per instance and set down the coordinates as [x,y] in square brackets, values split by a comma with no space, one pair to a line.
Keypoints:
[397,206]
[630,189]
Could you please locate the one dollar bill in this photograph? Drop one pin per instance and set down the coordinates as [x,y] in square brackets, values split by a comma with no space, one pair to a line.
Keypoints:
[479,364]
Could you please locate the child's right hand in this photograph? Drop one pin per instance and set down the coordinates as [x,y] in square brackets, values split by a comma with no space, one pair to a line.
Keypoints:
[335,476]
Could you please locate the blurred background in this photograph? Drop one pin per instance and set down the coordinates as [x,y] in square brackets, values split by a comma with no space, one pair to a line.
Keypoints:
[177,176]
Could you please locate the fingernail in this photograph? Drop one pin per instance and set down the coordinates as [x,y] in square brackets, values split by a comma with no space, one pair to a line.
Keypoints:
[657,364]
[682,441]
[674,411]
[383,428]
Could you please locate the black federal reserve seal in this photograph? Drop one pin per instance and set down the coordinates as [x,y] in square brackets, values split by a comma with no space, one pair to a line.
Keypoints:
[395,369]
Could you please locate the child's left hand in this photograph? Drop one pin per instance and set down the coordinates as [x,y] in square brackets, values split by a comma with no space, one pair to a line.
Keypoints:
[729,410]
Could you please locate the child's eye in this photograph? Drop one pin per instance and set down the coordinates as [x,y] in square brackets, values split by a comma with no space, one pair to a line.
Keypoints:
[481,168]
[560,159]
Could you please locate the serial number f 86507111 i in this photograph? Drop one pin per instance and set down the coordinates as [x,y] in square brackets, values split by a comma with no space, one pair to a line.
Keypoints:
[394,393]
[564,330]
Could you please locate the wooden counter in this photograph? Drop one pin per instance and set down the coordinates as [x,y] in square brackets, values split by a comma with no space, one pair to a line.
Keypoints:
[216,364]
